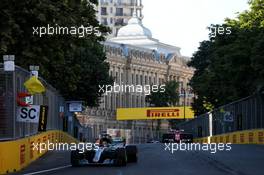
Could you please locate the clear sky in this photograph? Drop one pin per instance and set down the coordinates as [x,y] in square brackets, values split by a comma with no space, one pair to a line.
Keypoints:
[183,22]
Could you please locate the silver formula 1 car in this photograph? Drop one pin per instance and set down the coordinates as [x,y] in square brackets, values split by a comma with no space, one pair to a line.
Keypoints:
[109,151]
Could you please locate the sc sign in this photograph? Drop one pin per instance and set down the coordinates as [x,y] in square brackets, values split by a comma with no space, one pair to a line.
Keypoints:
[28,114]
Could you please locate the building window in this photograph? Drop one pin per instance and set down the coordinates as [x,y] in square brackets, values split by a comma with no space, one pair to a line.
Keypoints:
[116,32]
[117,77]
[142,102]
[119,22]
[104,21]
[133,101]
[119,11]
[112,102]
[141,79]
[140,12]
[123,101]
[117,101]
[132,78]
[103,11]
[136,79]
[118,2]
[122,77]
[131,11]
[181,85]
[105,101]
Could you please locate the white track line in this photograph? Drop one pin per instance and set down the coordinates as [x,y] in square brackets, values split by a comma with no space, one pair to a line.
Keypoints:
[119,173]
[48,170]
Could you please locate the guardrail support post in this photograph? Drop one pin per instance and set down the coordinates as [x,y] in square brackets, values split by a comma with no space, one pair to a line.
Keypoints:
[210,124]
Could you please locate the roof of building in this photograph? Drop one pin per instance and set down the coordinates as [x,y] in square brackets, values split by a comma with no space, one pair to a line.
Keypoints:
[134,28]
[136,34]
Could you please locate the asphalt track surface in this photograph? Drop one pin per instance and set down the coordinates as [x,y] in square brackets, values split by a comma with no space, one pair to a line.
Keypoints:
[155,160]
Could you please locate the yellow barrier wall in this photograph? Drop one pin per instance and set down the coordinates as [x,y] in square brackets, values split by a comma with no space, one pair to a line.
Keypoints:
[255,136]
[16,155]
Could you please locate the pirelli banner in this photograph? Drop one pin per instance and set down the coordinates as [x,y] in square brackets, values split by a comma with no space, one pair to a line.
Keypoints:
[154,113]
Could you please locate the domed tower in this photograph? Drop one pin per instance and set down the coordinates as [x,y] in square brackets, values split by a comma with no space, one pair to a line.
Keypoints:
[134,28]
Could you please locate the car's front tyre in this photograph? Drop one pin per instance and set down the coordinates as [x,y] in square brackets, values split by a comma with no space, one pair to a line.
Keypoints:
[75,158]
[132,151]
[121,157]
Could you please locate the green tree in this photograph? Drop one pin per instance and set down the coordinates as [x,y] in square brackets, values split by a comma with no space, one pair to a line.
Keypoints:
[74,65]
[230,66]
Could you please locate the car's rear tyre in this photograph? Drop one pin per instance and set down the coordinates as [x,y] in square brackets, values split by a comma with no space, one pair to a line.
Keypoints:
[132,158]
[121,157]
[131,151]
[75,158]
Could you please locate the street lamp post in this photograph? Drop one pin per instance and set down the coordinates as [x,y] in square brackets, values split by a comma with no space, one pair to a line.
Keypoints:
[9,63]
[184,102]
[34,70]
[152,126]
[9,66]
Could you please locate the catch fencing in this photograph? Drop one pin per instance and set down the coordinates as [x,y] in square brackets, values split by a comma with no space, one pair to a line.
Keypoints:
[12,83]
[244,114]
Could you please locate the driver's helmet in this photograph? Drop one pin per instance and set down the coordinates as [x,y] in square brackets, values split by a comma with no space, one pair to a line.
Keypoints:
[105,140]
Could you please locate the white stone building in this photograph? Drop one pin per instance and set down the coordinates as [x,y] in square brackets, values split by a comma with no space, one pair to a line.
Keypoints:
[136,58]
